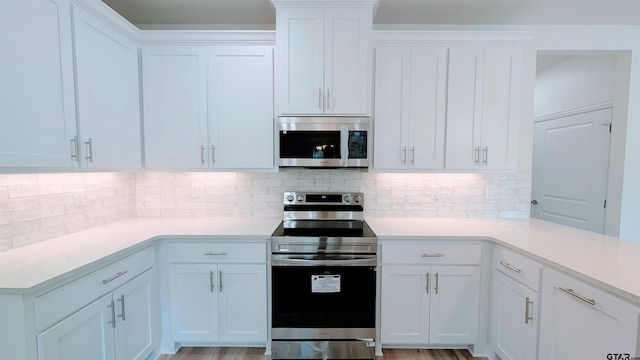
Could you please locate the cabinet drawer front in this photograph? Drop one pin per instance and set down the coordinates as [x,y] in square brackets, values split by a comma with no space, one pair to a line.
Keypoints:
[213,252]
[518,267]
[65,300]
[424,253]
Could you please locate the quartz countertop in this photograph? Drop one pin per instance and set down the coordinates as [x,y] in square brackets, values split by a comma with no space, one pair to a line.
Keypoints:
[32,267]
[604,261]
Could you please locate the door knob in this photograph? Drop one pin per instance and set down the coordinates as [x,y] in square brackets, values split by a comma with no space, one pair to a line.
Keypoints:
[534,202]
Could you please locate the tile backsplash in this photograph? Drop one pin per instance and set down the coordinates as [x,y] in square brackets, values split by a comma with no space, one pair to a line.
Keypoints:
[37,207]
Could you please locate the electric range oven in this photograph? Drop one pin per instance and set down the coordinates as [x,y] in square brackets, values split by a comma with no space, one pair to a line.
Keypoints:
[323,269]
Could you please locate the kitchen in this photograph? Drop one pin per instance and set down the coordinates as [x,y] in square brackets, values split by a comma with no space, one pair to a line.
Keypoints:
[44,206]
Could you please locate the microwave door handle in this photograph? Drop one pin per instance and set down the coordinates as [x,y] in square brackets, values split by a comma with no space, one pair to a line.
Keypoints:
[344,145]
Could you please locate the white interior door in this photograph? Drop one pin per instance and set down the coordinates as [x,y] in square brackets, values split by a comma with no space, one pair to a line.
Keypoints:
[570,167]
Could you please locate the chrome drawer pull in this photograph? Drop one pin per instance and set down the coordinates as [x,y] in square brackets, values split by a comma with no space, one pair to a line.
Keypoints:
[433,255]
[113,314]
[211,286]
[578,296]
[510,267]
[427,278]
[122,315]
[211,253]
[527,317]
[106,281]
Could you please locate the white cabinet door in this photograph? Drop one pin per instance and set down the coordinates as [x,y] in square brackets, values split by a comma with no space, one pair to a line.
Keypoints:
[482,102]
[405,305]
[134,304]
[243,307]
[430,304]
[346,62]
[218,303]
[108,94]
[410,108]
[194,302]
[455,304]
[515,319]
[87,334]
[300,62]
[580,322]
[241,107]
[322,61]
[175,107]
[37,99]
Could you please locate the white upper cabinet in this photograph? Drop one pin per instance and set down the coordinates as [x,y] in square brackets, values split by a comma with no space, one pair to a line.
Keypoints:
[37,103]
[482,107]
[240,84]
[108,94]
[410,101]
[175,106]
[208,107]
[323,60]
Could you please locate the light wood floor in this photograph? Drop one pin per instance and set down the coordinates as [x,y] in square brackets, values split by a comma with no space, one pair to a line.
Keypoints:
[258,354]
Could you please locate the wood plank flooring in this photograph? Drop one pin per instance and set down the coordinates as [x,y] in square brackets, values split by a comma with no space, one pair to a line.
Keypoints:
[258,354]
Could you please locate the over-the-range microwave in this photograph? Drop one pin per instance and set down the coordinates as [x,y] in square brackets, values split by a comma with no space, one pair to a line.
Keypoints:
[323,142]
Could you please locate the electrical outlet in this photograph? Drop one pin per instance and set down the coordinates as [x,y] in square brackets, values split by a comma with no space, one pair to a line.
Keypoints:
[78,198]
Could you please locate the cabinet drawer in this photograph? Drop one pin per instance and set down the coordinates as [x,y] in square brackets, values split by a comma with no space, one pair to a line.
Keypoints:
[518,267]
[425,253]
[65,300]
[213,252]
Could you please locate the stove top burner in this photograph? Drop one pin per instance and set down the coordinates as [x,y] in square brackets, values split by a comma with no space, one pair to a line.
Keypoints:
[324,228]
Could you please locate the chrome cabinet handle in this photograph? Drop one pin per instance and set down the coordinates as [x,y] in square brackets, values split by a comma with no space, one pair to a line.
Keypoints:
[527,317]
[413,155]
[113,314]
[211,281]
[427,278]
[201,154]
[510,267]
[319,98]
[122,315]
[485,155]
[476,156]
[432,255]
[213,154]
[211,253]
[404,155]
[89,150]
[220,281]
[437,283]
[328,99]
[106,281]
[591,302]
[74,148]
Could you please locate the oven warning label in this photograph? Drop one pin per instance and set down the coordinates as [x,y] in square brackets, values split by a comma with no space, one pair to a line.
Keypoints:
[325,283]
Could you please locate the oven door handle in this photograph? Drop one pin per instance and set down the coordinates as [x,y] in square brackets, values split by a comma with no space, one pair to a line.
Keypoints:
[288,260]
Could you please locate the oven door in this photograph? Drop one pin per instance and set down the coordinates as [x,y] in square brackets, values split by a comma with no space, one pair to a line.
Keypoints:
[318,297]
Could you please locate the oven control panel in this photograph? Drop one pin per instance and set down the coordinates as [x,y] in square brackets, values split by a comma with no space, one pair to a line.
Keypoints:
[299,198]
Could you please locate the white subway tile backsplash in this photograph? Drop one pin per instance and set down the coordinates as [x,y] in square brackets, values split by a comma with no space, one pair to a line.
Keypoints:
[37,207]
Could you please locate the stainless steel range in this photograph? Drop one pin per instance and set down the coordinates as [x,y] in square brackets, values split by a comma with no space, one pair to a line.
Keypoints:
[324,260]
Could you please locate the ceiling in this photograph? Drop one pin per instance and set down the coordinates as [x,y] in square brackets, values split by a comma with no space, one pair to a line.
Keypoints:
[260,14]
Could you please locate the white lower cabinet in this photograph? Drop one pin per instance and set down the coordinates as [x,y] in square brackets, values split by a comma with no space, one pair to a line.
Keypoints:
[515,306]
[581,322]
[430,304]
[116,326]
[215,302]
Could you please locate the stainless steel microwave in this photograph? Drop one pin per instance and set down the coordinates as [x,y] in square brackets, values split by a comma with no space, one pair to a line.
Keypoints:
[323,142]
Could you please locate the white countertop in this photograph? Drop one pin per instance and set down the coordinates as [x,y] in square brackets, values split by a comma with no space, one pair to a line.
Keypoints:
[602,260]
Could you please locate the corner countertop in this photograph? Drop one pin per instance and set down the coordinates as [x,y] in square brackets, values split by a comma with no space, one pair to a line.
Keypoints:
[30,268]
[604,261]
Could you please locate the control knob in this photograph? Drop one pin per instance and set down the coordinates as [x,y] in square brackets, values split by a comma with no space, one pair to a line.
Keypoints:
[290,197]
[347,199]
[357,198]
[300,198]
